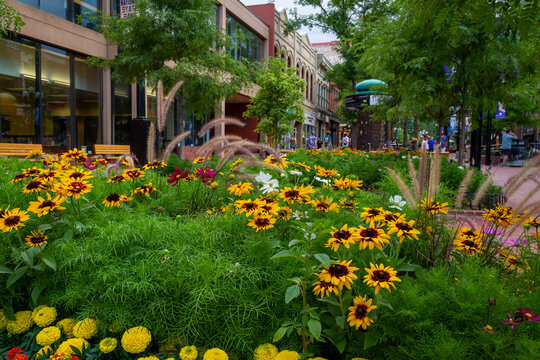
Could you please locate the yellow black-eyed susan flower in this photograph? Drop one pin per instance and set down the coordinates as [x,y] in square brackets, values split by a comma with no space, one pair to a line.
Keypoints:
[73,188]
[324,288]
[132,174]
[34,186]
[247,206]
[372,215]
[295,194]
[403,229]
[13,219]
[154,165]
[280,162]
[339,274]
[348,204]
[33,172]
[284,212]
[116,178]
[114,200]
[343,236]
[262,221]
[371,237]
[240,189]
[390,217]
[48,176]
[380,277]
[18,178]
[326,173]
[76,175]
[74,154]
[44,206]
[145,189]
[36,238]
[325,204]
[346,183]
[432,207]
[532,223]
[358,313]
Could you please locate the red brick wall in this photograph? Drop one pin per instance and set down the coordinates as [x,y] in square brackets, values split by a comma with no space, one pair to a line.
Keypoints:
[235,110]
[266,12]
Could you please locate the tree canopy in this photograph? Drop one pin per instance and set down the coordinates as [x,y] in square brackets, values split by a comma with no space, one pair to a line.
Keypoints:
[9,19]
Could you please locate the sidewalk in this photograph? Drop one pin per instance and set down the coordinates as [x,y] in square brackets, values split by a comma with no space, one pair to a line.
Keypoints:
[502,175]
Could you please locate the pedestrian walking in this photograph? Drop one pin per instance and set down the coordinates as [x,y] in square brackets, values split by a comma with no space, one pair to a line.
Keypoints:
[312,141]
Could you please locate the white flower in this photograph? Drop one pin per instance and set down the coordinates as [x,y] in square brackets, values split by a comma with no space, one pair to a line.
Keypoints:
[272,185]
[461,167]
[416,157]
[325,181]
[403,157]
[263,177]
[297,215]
[397,202]
[294,172]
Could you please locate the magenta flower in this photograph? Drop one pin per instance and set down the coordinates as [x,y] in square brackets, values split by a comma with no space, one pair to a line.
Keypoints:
[512,321]
[205,174]
[176,176]
[89,165]
[528,315]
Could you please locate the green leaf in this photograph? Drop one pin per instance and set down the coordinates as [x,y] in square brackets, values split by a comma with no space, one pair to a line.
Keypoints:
[340,321]
[34,295]
[329,300]
[49,262]
[384,302]
[294,242]
[17,274]
[323,258]
[292,292]
[279,334]
[68,235]
[407,267]
[27,257]
[44,227]
[5,270]
[8,311]
[315,328]
[371,338]
[283,253]
[341,345]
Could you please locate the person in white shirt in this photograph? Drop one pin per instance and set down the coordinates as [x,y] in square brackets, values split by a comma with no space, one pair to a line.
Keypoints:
[425,143]
[345,141]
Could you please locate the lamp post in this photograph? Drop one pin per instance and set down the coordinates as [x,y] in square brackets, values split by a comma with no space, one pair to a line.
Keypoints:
[140,127]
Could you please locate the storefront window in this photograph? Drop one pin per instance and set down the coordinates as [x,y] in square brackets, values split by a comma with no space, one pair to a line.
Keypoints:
[78,11]
[84,12]
[121,112]
[248,44]
[87,104]
[56,99]
[17,92]
[56,7]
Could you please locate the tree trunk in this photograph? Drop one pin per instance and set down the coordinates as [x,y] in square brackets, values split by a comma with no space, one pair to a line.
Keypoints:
[405,126]
[461,149]
[440,125]
[416,126]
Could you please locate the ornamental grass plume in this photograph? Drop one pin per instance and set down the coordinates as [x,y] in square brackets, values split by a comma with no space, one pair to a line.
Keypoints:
[265,352]
[215,354]
[48,336]
[136,339]
[22,323]
[86,328]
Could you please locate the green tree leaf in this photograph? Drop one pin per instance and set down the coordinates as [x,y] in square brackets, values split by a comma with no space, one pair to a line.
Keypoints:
[292,292]
[279,334]
[315,328]
[323,258]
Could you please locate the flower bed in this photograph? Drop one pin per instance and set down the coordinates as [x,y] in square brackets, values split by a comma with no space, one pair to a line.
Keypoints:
[228,255]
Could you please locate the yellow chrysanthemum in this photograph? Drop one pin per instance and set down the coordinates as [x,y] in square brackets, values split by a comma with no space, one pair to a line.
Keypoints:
[265,352]
[380,277]
[317,358]
[48,336]
[358,313]
[66,325]
[44,315]
[136,340]
[108,345]
[215,354]
[44,352]
[22,323]
[287,355]
[86,328]
[65,350]
[188,353]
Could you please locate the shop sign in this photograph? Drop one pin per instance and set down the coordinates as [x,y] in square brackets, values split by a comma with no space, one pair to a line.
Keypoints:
[126,8]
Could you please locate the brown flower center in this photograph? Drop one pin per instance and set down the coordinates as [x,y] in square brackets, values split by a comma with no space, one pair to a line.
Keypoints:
[113,197]
[292,193]
[369,233]
[323,205]
[37,239]
[403,226]
[380,275]
[469,233]
[77,187]
[33,185]
[76,175]
[360,312]
[390,217]
[46,203]
[12,220]
[374,212]
[469,243]
[342,234]
[260,222]
[338,270]
[249,206]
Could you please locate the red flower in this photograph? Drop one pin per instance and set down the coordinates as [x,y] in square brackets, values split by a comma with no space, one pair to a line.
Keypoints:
[21,357]
[89,165]
[14,352]
[176,176]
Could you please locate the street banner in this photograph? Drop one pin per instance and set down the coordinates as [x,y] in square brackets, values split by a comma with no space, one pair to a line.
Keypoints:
[126,8]
[501,111]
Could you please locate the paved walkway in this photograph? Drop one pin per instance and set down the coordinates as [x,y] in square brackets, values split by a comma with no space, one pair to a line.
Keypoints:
[502,175]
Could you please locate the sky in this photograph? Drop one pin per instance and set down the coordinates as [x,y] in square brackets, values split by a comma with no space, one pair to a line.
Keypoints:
[315,34]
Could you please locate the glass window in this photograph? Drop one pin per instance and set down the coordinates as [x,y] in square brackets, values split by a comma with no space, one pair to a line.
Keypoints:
[121,112]
[56,100]
[33,3]
[17,92]
[87,108]
[55,7]
[84,12]
[248,44]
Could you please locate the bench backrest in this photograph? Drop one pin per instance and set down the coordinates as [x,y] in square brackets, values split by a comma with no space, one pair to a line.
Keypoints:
[102,149]
[19,150]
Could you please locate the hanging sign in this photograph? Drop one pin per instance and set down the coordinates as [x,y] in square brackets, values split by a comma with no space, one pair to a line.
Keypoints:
[501,111]
[126,8]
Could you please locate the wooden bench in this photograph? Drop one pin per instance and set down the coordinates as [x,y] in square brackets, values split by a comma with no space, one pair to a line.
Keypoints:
[18,150]
[115,150]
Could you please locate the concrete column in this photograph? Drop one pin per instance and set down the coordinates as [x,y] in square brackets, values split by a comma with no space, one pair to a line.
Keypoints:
[106,98]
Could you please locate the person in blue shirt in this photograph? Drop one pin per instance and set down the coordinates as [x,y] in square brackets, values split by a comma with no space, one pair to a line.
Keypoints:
[444,142]
[431,144]
[507,145]
[312,141]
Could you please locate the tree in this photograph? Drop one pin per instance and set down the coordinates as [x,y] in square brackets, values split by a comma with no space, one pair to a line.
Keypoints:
[279,100]
[9,19]
[444,57]
[172,41]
